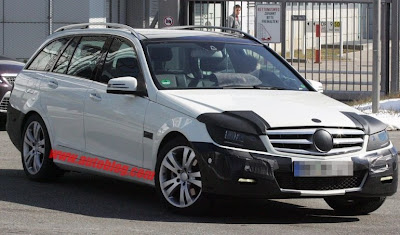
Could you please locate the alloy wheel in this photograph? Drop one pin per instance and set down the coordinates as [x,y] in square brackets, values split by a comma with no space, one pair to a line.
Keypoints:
[180,177]
[34,147]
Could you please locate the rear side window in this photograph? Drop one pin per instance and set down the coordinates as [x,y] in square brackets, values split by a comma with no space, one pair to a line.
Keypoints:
[85,57]
[62,63]
[47,55]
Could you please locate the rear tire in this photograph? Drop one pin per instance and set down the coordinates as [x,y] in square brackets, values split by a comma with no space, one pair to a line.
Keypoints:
[355,206]
[178,178]
[35,152]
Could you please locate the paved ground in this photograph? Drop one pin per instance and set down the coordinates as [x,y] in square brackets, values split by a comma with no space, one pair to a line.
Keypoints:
[80,203]
[353,72]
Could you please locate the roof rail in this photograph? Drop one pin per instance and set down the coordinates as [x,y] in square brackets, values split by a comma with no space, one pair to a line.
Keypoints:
[108,25]
[215,27]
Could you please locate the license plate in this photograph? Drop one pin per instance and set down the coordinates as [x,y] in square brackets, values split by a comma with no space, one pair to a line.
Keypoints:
[322,168]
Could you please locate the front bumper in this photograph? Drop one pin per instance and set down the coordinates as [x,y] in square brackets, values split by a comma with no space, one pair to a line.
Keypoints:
[244,174]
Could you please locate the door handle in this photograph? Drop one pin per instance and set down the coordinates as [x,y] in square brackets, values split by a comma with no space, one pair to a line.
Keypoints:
[95,96]
[52,84]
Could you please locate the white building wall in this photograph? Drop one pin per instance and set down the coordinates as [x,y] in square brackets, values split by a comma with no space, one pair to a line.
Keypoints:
[349,18]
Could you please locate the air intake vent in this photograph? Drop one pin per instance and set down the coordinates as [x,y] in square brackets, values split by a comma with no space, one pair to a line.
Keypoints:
[4,104]
[287,181]
[10,78]
[301,141]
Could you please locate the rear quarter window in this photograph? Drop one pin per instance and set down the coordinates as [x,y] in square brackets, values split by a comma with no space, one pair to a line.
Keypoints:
[47,55]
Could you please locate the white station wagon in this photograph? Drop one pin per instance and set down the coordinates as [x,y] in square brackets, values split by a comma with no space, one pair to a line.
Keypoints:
[194,114]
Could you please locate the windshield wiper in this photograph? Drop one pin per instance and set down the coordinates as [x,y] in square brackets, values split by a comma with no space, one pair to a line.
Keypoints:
[269,88]
[253,87]
[238,87]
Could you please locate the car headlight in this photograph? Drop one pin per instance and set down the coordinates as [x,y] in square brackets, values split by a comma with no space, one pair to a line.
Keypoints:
[378,140]
[235,138]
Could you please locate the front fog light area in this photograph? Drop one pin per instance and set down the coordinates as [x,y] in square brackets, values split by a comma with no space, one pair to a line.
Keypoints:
[384,162]
[248,181]
[380,164]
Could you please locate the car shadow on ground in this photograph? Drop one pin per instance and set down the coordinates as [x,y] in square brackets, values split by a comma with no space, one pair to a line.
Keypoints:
[104,197]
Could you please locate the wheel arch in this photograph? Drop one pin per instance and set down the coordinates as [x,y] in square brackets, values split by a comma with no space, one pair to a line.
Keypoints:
[27,116]
[170,136]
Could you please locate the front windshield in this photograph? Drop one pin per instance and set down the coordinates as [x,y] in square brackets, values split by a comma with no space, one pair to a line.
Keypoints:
[210,65]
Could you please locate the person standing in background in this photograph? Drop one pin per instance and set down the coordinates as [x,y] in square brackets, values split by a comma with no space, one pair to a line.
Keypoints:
[233,20]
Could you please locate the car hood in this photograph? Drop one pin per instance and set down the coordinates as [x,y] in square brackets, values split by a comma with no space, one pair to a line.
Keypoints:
[279,108]
[9,66]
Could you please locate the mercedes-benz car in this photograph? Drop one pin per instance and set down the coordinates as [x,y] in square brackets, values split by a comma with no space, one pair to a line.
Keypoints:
[194,113]
[9,70]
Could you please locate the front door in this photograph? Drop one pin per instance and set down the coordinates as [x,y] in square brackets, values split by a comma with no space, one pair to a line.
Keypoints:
[114,122]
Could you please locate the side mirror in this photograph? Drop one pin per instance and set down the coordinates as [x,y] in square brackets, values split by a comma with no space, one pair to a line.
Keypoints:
[316,85]
[122,85]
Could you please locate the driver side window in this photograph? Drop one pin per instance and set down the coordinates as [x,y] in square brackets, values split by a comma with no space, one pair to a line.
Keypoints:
[121,61]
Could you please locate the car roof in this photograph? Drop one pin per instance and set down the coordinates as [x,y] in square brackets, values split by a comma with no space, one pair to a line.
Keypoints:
[6,61]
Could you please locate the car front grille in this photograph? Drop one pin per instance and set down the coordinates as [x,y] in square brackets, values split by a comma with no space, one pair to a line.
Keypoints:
[288,181]
[10,78]
[4,103]
[300,141]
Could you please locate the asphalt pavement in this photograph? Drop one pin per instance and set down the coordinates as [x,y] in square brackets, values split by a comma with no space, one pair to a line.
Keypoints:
[81,203]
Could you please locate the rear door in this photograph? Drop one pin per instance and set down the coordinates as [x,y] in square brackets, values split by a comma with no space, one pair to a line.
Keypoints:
[114,122]
[65,89]
[27,85]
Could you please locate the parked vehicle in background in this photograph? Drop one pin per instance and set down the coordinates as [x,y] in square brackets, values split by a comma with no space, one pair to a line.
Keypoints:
[9,70]
[194,113]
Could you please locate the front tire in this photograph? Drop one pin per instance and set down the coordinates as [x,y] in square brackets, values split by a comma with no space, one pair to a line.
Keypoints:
[35,152]
[178,178]
[355,206]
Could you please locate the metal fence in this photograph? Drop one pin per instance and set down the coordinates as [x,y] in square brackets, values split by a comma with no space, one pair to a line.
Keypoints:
[344,62]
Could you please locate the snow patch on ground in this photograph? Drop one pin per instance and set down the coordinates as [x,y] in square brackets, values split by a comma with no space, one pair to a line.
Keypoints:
[389,112]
